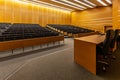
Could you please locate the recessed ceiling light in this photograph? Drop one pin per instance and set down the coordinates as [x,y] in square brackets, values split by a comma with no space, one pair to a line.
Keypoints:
[101,2]
[67,1]
[109,1]
[90,3]
[46,4]
[83,3]
[67,4]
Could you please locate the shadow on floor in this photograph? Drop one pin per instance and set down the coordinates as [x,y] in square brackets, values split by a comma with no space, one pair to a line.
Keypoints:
[28,53]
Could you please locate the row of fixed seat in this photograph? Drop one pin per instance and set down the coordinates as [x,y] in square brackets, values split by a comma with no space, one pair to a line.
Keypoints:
[4,25]
[70,28]
[25,31]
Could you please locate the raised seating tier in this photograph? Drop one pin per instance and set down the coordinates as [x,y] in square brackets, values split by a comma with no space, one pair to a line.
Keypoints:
[70,30]
[25,31]
[20,36]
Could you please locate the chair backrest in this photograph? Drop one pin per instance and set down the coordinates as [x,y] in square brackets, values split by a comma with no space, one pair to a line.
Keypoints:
[116,34]
[107,41]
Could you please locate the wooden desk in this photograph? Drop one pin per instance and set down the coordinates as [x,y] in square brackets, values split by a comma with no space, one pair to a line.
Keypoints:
[85,51]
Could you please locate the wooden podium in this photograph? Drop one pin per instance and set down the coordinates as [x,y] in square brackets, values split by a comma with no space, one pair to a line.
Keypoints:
[85,51]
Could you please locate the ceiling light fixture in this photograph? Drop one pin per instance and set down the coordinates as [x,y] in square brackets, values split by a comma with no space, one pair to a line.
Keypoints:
[52,5]
[71,3]
[101,2]
[90,3]
[83,3]
[109,1]
[67,4]
[46,4]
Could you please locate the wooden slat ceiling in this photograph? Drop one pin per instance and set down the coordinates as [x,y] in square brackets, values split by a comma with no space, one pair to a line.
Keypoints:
[72,5]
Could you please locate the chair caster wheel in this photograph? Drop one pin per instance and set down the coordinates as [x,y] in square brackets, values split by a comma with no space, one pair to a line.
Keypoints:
[113,57]
[104,69]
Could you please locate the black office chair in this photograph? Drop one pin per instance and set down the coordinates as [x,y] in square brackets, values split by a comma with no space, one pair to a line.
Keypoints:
[116,34]
[112,44]
[118,41]
[103,49]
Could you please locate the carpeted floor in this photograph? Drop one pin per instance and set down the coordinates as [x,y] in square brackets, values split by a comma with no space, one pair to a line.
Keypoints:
[59,65]
[9,65]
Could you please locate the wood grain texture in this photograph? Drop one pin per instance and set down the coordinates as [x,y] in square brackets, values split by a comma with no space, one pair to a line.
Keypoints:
[14,44]
[14,11]
[94,19]
[116,14]
[85,51]
[85,55]
[95,39]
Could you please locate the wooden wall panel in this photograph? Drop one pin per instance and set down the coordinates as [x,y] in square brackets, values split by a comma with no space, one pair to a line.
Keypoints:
[94,19]
[116,14]
[15,11]
[2,10]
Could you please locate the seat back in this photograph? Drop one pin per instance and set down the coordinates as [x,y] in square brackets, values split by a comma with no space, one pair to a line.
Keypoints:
[107,41]
[116,34]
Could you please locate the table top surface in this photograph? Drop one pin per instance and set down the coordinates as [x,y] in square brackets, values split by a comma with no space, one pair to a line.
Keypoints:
[95,39]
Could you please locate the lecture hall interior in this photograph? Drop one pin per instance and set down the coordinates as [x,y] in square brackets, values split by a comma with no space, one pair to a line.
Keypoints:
[59,39]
